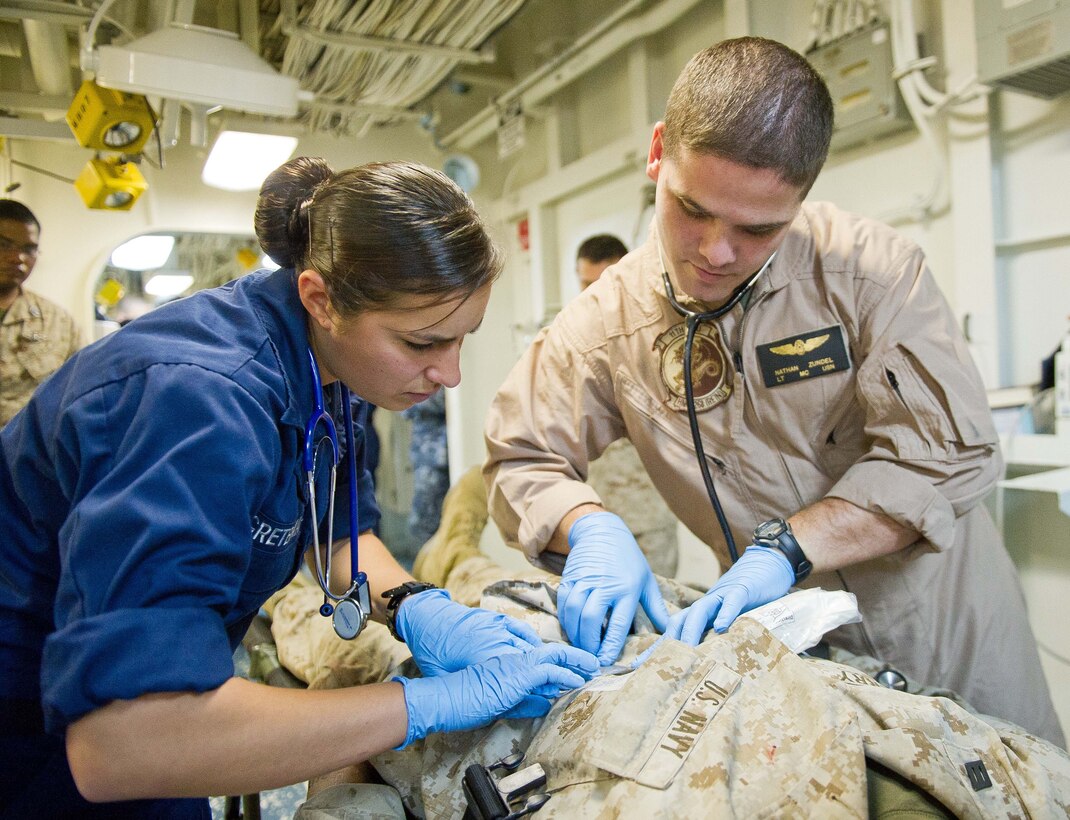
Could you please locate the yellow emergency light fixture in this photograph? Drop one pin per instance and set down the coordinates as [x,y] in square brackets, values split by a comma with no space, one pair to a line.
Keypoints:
[109,293]
[108,120]
[110,184]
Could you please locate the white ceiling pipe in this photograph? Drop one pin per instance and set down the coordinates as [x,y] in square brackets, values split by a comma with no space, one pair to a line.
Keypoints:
[590,50]
[249,23]
[46,46]
[54,12]
[364,42]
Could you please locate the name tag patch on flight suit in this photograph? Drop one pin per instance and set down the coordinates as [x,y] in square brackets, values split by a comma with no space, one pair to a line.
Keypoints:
[811,354]
[711,374]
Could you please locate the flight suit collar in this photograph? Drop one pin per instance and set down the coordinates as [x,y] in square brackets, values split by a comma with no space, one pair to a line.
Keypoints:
[794,254]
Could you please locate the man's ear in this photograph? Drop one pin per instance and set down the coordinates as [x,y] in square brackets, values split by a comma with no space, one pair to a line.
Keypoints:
[657,147]
[313,293]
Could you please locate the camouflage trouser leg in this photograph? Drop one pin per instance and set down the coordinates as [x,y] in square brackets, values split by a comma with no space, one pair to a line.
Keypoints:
[464,516]
[369,801]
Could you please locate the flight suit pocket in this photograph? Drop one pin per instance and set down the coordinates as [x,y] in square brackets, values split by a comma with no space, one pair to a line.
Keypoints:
[929,413]
[638,407]
[841,440]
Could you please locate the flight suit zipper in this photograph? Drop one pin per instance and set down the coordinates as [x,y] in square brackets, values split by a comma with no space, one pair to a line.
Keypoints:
[894,382]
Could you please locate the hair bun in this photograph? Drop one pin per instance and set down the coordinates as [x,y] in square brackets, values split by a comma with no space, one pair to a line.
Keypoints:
[281,227]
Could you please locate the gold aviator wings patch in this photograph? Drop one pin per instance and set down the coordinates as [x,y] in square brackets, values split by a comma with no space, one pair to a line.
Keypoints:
[800,346]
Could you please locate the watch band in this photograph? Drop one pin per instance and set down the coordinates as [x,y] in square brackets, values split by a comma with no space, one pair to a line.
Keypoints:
[396,596]
[776,532]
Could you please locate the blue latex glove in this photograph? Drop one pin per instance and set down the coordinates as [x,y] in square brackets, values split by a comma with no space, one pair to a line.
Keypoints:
[477,695]
[759,576]
[605,574]
[445,636]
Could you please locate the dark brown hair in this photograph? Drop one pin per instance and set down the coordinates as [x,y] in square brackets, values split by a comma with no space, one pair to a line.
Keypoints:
[17,212]
[755,102]
[600,247]
[375,233]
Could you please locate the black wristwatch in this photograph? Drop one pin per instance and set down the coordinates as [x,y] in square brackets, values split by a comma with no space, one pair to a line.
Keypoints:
[776,532]
[396,596]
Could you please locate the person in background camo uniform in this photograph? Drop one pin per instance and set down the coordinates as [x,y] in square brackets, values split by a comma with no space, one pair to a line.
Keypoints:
[36,335]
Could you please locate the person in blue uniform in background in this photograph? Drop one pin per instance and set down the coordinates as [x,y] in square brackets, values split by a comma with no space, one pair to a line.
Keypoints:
[153,496]
[429,455]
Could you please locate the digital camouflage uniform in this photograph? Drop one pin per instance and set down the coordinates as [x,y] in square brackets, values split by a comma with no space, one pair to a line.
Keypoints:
[36,337]
[739,726]
[742,727]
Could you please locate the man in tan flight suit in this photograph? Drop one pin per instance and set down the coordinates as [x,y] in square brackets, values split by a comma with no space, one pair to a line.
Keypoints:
[36,335]
[841,414]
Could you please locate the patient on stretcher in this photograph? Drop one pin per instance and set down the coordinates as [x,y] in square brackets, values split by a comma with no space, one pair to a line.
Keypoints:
[739,726]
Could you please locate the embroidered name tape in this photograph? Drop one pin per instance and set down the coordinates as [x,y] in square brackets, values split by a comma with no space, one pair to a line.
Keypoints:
[806,356]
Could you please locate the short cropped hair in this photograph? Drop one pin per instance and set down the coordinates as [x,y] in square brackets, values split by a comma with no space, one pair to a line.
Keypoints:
[755,102]
[17,212]
[601,247]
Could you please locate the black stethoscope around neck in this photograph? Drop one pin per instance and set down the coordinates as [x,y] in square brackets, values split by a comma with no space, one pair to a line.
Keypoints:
[352,608]
[693,320]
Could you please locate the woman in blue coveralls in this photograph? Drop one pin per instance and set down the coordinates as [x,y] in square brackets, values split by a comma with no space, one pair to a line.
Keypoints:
[153,496]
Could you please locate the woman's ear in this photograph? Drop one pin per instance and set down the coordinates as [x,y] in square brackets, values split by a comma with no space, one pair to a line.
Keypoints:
[313,293]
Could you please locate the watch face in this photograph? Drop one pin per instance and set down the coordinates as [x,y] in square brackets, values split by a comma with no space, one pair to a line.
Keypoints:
[770,529]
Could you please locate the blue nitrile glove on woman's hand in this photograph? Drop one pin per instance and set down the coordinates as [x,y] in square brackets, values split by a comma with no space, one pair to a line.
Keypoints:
[477,695]
[759,576]
[605,574]
[445,636]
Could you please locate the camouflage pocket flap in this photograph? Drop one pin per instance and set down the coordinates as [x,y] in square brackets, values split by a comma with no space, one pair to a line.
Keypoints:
[643,725]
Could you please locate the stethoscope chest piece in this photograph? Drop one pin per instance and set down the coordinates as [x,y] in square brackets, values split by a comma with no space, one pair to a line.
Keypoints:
[351,613]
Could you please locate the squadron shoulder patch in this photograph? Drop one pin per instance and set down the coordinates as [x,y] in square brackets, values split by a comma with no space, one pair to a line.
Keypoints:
[711,372]
[812,354]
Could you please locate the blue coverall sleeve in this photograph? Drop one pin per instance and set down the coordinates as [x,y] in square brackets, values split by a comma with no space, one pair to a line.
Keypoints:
[164,470]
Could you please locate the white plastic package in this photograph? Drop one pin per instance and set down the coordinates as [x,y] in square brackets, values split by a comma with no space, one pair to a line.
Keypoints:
[802,618]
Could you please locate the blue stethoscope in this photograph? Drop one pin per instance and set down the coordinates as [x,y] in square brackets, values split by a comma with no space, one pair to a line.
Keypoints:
[352,608]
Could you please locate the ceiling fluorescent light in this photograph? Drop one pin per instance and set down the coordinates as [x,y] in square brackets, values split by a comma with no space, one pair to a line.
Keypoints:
[198,65]
[166,285]
[240,160]
[143,252]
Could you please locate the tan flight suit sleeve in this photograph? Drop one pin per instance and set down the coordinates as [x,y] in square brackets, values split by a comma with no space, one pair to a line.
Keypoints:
[553,414]
[934,450]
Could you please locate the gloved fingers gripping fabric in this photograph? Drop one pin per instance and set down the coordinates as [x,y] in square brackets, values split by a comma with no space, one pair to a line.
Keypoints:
[606,576]
[477,695]
[445,636]
[760,575]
